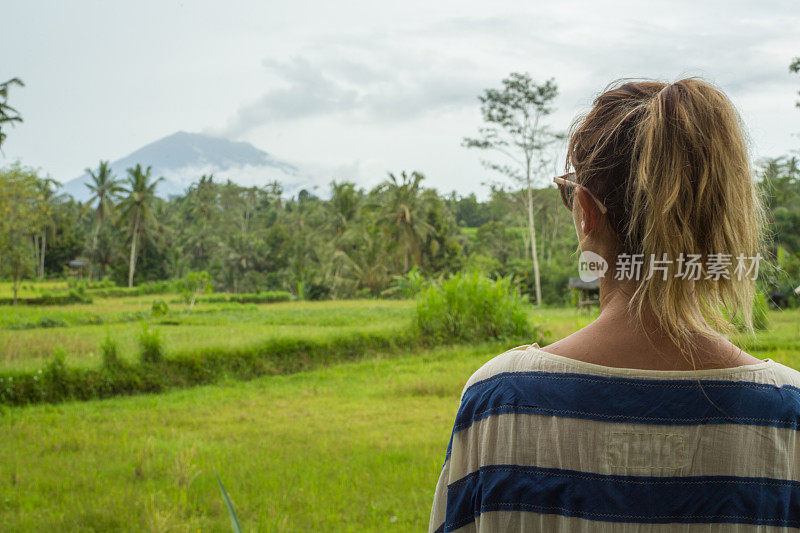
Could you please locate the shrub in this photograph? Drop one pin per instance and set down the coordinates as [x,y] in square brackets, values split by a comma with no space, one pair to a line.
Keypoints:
[471,307]
[159,308]
[110,351]
[152,349]
[406,286]
[51,322]
[76,283]
[194,284]
[317,291]
[55,378]
[104,284]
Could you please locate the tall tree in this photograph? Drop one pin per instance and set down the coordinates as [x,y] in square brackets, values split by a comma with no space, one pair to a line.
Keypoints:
[344,205]
[137,207]
[250,200]
[105,189]
[402,212]
[343,210]
[780,185]
[18,217]
[515,129]
[202,210]
[794,66]
[366,263]
[8,115]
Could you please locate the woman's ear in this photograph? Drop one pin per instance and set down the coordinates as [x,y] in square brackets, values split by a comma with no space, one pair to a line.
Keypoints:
[590,214]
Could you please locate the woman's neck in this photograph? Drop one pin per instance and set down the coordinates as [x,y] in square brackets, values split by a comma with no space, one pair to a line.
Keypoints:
[619,338]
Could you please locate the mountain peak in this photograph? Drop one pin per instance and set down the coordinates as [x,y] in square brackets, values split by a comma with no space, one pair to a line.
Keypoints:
[182,157]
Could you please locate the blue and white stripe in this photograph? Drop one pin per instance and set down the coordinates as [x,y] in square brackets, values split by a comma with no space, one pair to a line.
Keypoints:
[558,444]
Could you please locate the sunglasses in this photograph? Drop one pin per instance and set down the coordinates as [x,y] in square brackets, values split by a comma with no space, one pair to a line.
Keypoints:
[567,188]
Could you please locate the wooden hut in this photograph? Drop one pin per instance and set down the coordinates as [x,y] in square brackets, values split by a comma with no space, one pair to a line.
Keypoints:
[76,268]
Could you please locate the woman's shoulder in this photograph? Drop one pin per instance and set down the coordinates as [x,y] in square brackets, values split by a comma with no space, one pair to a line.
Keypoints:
[784,375]
[531,358]
[519,359]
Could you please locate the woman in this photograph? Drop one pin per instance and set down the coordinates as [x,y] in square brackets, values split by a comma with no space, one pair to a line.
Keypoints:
[647,419]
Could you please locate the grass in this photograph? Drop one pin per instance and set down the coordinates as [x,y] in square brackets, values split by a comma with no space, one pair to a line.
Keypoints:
[353,446]
[110,310]
[29,289]
[210,325]
[347,447]
[781,341]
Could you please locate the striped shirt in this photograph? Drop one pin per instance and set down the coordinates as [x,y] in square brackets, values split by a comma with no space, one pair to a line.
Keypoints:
[547,443]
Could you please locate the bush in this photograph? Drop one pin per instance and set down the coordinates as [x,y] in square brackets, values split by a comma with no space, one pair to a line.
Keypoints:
[50,322]
[55,378]
[159,308]
[317,291]
[152,349]
[110,351]
[471,307]
[76,283]
[406,286]
[104,284]
[194,284]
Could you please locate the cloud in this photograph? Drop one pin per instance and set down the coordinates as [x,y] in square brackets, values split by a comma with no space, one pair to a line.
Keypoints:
[408,92]
[307,91]
[382,85]
[446,63]
[739,49]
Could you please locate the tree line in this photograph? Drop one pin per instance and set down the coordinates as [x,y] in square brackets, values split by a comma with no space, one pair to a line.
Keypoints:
[352,243]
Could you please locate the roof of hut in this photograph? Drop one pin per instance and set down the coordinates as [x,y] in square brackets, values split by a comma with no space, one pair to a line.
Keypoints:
[578,283]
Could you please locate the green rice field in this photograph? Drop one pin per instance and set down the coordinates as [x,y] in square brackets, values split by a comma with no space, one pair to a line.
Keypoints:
[352,446]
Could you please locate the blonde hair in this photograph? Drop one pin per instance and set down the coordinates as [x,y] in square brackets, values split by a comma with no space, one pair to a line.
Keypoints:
[670,162]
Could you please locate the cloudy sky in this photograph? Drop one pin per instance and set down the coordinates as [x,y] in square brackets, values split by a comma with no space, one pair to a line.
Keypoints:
[351,90]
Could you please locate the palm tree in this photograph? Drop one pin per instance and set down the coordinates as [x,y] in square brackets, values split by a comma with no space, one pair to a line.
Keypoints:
[108,254]
[137,207]
[344,204]
[202,211]
[402,212]
[105,189]
[8,115]
[365,264]
[250,199]
[241,257]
